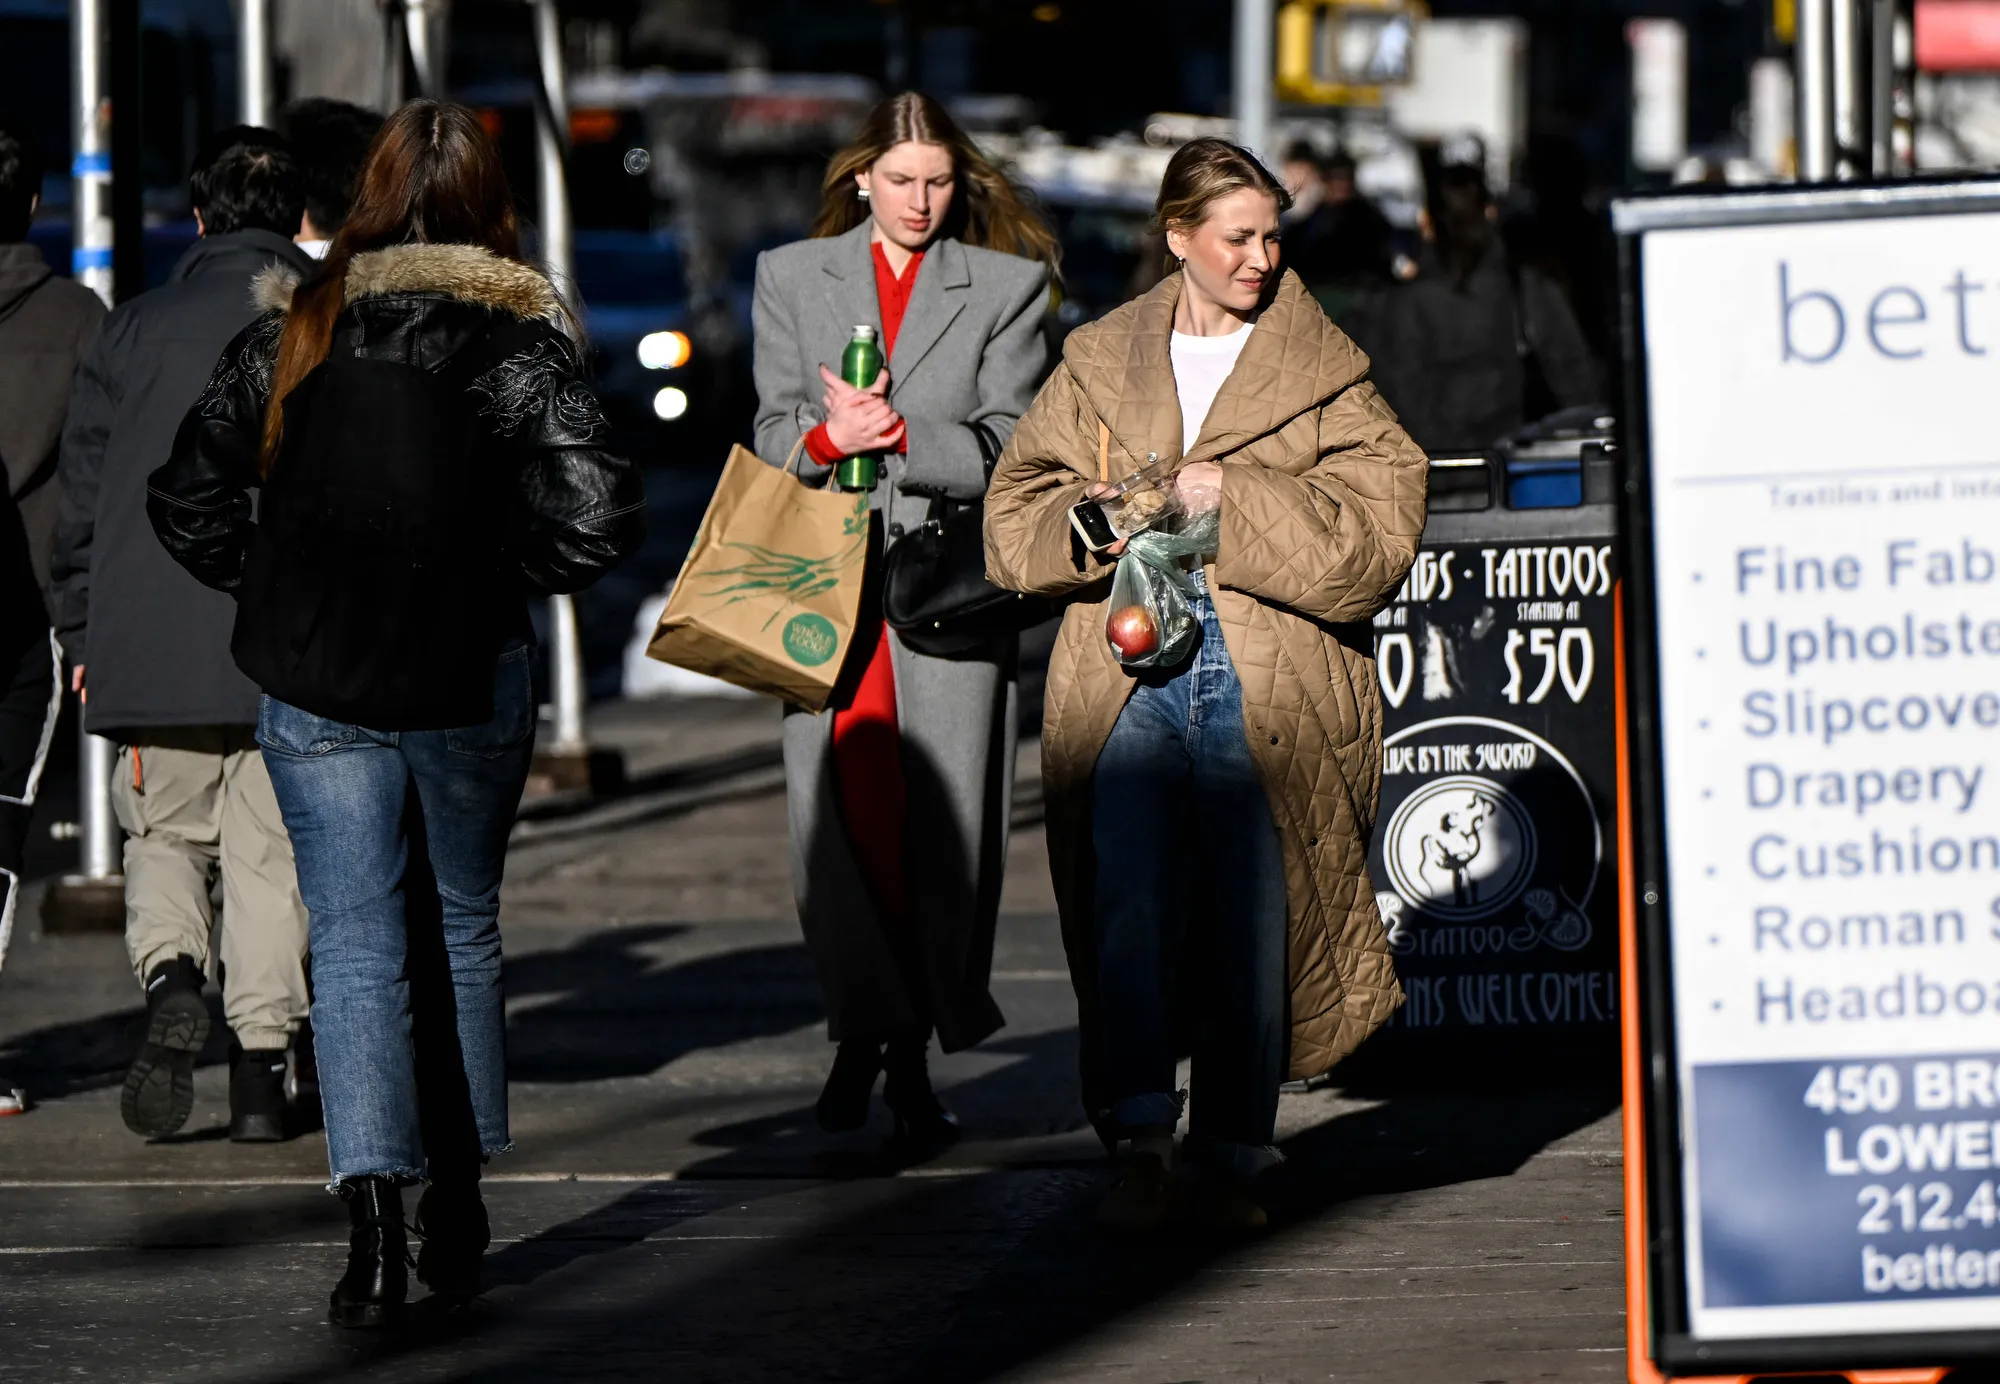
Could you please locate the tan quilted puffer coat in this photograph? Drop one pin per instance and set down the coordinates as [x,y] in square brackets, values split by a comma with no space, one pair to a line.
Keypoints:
[1322,507]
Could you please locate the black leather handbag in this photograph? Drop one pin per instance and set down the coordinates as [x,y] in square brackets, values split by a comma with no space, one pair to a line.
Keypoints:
[934,588]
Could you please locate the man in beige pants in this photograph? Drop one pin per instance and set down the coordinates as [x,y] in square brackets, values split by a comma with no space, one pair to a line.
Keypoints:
[195,801]
[190,787]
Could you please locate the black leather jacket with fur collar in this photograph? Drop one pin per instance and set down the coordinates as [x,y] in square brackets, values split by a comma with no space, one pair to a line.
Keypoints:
[559,507]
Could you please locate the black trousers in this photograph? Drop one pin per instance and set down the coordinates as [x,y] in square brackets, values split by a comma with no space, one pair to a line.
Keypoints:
[30,698]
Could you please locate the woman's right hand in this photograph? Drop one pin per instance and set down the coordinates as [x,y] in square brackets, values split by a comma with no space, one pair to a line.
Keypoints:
[859,421]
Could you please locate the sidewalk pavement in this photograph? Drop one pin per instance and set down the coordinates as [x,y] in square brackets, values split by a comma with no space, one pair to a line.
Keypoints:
[672,1211]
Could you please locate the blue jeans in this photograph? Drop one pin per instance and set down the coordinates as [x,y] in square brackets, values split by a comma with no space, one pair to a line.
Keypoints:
[403,890]
[1189,870]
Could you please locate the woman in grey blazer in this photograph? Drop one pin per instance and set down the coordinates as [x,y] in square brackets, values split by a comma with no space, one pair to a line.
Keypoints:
[899,792]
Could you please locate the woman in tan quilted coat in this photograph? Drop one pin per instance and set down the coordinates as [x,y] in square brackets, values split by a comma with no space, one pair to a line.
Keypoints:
[1208,823]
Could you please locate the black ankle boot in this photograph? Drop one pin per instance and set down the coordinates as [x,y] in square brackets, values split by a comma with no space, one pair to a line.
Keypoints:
[451,1222]
[843,1101]
[257,1096]
[372,1291]
[921,1119]
[159,1086]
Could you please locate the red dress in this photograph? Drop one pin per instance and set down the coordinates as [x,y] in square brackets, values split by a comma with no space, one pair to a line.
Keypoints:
[867,756]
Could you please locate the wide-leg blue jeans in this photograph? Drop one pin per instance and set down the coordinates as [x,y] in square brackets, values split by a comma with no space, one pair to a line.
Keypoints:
[401,837]
[1188,866]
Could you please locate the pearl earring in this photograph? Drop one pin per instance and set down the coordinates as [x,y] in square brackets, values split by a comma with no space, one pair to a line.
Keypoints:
[862,193]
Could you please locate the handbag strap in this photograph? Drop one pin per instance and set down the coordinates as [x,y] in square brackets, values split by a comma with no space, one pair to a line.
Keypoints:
[1104,451]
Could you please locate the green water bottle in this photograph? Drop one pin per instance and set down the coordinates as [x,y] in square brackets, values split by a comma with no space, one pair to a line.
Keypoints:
[860,363]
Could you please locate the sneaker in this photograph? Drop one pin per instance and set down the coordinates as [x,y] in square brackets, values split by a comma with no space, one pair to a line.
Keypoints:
[13,1101]
[1223,1204]
[257,1096]
[159,1088]
[1143,1200]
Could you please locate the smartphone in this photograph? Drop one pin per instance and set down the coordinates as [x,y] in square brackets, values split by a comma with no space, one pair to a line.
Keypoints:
[1092,525]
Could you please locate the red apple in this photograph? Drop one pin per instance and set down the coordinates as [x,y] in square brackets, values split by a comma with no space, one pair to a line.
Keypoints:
[1132,631]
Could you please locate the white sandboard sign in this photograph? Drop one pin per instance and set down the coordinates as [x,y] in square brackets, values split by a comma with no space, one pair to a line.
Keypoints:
[1817,592]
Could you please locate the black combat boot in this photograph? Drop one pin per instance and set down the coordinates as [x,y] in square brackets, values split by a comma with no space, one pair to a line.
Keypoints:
[372,1291]
[922,1122]
[159,1087]
[451,1222]
[257,1096]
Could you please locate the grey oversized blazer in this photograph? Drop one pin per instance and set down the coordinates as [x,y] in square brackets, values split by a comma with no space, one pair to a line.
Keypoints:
[968,359]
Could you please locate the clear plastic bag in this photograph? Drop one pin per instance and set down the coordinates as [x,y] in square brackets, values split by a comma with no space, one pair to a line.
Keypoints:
[1150,621]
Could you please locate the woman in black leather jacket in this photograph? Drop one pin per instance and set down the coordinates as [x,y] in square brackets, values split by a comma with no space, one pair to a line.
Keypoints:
[429,456]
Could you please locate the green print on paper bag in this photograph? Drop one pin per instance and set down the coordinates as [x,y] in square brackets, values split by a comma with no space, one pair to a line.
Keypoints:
[787,577]
[810,639]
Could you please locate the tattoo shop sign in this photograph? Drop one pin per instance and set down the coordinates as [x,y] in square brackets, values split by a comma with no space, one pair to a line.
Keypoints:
[1492,857]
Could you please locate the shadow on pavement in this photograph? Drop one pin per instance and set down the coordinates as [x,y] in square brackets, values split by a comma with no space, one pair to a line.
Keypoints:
[881,1293]
[89,1054]
[624,1013]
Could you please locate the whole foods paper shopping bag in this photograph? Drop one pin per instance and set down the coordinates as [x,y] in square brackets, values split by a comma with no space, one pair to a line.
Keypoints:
[770,591]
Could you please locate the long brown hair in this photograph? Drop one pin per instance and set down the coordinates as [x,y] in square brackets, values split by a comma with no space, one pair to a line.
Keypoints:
[987,210]
[432,176]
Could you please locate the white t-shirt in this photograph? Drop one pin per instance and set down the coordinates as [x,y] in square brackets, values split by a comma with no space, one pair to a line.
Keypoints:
[1201,364]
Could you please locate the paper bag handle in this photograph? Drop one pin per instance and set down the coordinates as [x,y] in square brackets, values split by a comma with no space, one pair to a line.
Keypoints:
[793,455]
[1104,452]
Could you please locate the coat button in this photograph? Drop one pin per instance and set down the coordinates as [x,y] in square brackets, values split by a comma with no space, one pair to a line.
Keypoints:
[895,530]
[1274,740]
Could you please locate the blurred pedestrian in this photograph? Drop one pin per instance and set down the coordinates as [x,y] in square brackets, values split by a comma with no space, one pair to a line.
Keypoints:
[330,139]
[1336,240]
[1208,822]
[899,793]
[1476,344]
[417,418]
[45,324]
[149,650]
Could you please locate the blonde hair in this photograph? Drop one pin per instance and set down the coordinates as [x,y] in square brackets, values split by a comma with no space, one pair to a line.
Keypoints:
[1201,173]
[987,211]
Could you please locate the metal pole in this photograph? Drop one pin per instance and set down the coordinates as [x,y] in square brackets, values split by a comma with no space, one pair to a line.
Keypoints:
[90,169]
[94,898]
[1882,87]
[395,47]
[1255,21]
[101,856]
[566,683]
[426,23]
[1850,110]
[253,62]
[1813,53]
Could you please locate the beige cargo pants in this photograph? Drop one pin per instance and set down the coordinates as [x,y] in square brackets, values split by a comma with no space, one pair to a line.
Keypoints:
[194,800]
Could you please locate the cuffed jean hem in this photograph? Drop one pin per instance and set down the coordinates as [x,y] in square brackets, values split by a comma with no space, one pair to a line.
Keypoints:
[1245,1161]
[1154,1108]
[405,1177]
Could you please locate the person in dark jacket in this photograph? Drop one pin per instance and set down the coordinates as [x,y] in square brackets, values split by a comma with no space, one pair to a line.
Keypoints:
[1473,346]
[149,650]
[1336,240]
[430,457]
[330,139]
[45,323]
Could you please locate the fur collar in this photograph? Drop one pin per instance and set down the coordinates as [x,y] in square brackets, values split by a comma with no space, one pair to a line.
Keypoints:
[469,273]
